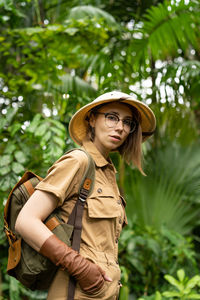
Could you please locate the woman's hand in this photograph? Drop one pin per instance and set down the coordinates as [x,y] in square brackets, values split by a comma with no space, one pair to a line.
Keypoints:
[90,276]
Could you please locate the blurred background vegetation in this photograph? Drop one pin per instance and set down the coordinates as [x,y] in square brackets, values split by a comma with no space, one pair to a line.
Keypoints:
[58,55]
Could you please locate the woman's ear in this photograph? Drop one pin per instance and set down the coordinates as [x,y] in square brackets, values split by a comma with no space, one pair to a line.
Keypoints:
[92,120]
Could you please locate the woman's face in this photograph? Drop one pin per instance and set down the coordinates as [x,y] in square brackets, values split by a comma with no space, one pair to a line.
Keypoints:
[110,138]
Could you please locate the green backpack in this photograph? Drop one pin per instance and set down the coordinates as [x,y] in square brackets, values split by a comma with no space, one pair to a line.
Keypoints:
[24,263]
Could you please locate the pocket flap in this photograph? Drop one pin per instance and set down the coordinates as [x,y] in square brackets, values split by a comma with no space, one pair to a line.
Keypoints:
[103,204]
[102,192]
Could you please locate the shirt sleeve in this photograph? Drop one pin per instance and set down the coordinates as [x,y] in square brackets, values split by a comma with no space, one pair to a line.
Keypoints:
[64,177]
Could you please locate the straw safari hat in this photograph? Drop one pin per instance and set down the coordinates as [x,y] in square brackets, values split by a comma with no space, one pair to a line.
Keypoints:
[78,125]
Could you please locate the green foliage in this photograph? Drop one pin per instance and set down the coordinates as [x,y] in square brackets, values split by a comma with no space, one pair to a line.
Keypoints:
[147,255]
[28,146]
[57,56]
[169,195]
[167,28]
[175,124]
[182,288]
[187,76]
[16,291]
[89,11]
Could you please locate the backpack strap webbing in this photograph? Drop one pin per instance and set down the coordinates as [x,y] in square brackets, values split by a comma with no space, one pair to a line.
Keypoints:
[75,218]
[25,179]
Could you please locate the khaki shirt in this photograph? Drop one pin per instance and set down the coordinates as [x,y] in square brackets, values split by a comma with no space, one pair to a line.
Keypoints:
[103,217]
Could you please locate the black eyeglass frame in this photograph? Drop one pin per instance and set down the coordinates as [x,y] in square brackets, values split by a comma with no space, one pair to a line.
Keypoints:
[133,121]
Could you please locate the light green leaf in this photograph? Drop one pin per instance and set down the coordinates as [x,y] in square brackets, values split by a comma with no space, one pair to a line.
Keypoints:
[193,282]
[57,131]
[14,288]
[89,11]
[42,129]
[14,128]
[4,183]
[3,122]
[5,160]
[154,246]
[181,274]
[59,141]
[20,156]
[174,282]
[34,124]
[58,124]
[158,296]
[5,170]
[53,27]
[71,31]
[10,148]
[193,296]
[171,294]
[17,167]
[32,30]
[124,292]
[10,114]
[46,137]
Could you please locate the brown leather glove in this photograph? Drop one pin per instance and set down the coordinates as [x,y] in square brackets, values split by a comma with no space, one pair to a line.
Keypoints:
[88,274]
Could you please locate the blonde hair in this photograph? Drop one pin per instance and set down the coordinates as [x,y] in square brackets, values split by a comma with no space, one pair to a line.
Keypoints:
[131,149]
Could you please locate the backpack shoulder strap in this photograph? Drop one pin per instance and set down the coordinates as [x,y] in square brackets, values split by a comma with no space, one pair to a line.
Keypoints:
[26,180]
[85,189]
[75,218]
[26,177]
[89,174]
[87,183]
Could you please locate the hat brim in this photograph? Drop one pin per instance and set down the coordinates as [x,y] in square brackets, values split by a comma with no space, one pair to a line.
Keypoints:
[78,125]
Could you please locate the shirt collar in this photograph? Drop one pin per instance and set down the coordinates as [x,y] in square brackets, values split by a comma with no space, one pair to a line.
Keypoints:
[98,158]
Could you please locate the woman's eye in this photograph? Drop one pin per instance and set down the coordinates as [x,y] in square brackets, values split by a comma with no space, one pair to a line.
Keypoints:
[112,117]
[127,122]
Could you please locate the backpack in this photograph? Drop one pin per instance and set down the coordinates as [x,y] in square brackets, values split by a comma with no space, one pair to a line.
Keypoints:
[24,263]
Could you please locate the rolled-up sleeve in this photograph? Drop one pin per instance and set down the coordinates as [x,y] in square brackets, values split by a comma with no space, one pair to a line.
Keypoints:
[64,177]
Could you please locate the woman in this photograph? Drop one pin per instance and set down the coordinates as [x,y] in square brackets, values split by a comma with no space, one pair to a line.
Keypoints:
[112,122]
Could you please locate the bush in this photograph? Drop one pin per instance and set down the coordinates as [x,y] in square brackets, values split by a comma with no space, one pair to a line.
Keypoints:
[146,255]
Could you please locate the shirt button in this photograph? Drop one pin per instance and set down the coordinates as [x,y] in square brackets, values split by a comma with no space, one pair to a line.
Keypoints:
[116,240]
[99,190]
[118,201]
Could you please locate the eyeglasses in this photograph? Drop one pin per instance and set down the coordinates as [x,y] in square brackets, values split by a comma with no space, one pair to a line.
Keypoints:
[111,120]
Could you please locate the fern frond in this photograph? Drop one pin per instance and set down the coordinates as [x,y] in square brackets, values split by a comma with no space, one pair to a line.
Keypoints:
[167,28]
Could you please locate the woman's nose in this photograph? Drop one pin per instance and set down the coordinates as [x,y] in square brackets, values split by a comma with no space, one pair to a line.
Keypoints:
[120,125]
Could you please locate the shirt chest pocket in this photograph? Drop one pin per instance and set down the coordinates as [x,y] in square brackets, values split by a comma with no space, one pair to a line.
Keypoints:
[103,204]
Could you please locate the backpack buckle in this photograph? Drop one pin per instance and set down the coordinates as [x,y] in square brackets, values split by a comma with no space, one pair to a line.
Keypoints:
[82,199]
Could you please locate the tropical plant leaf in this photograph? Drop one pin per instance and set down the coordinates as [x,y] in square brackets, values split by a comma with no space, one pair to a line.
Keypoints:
[174,282]
[166,28]
[89,11]
[181,275]
[193,282]
[166,196]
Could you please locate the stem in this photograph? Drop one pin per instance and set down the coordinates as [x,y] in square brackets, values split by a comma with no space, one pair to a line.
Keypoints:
[37,10]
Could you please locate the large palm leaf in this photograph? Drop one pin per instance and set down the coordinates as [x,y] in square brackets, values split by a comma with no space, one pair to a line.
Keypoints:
[170,194]
[165,29]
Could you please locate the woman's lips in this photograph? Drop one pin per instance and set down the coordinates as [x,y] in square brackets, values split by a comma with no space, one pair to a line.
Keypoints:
[115,138]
